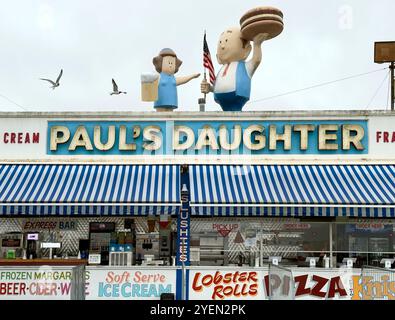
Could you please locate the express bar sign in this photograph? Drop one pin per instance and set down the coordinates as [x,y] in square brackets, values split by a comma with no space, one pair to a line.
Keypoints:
[46,224]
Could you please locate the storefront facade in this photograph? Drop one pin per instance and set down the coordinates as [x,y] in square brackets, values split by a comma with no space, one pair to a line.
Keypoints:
[213,192]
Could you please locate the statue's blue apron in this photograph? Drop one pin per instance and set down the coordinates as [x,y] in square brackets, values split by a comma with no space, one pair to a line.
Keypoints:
[167,92]
[235,100]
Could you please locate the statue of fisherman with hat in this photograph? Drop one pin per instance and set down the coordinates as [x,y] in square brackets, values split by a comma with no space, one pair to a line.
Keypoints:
[167,64]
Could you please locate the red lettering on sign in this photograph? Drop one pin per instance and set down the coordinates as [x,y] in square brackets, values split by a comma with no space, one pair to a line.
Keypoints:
[378,136]
[21,137]
[231,284]
[385,136]
[12,288]
[301,282]
[321,282]
[336,286]
[225,229]
[36,137]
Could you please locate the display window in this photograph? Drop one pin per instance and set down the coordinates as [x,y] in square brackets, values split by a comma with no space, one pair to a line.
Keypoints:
[293,242]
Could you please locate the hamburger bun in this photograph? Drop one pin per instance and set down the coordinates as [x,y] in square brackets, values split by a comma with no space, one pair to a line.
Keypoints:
[261,20]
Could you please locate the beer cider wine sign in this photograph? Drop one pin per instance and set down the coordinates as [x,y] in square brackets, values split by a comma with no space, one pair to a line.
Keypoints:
[207,137]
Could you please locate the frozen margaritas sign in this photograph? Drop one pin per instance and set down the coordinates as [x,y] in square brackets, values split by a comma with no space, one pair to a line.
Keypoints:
[44,283]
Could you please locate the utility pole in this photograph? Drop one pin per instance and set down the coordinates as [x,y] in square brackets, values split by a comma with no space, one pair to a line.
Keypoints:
[384,52]
[392,67]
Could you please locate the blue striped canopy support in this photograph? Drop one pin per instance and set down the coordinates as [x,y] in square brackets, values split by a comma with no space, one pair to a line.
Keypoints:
[89,189]
[293,190]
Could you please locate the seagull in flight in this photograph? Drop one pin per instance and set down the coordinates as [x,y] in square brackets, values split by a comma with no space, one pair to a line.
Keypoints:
[115,88]
[54,84]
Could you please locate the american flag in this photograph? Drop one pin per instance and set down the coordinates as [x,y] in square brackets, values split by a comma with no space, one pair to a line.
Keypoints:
[207,63]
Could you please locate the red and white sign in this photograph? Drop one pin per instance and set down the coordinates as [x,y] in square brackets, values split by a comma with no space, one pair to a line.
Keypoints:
[385,136]
[20,137]
[382,137]
[24,138]
[313,285]
[130,284]
[103,283]
[316,284]
[44,283]
[226,284]
[253,284]
[369,226]
[296,226]
[225,228]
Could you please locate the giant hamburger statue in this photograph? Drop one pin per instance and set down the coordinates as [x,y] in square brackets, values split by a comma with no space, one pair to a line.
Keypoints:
[232,86]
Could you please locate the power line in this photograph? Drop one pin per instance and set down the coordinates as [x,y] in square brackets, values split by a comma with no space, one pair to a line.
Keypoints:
[318,85]
[3,96]
[378,89]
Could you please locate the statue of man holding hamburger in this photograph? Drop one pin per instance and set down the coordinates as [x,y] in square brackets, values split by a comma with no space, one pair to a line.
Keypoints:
[232,86]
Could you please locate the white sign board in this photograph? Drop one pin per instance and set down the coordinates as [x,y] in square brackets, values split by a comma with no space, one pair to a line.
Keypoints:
[194,254]
[40,137]
[226,284]
[307,284]
[33,283]
[94,259]
[130,284]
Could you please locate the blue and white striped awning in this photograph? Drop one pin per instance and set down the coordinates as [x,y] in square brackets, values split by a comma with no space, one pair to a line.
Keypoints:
[89,189]
[293,190]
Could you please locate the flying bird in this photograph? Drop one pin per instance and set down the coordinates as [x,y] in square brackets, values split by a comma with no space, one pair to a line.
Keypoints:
[115,88]
[54,84]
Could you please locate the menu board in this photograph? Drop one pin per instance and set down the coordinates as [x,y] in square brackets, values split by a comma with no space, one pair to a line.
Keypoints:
[11,243]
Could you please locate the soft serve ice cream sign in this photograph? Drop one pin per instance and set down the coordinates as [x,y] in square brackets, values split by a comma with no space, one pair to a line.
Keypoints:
[131,284]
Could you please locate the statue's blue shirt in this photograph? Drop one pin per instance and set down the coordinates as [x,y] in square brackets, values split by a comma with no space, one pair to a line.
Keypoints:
[167,92]
[233,85]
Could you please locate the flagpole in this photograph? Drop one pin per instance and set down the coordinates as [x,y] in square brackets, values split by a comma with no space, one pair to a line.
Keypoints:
[205,79]
[202,101]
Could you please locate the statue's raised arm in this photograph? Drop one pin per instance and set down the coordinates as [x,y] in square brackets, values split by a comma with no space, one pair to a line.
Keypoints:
[232,85]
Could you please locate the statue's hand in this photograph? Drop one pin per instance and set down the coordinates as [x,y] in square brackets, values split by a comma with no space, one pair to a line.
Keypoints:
[205,87]
[259,38]
[196,75]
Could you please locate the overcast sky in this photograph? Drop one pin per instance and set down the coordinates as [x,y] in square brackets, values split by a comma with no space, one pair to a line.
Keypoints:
[95,40]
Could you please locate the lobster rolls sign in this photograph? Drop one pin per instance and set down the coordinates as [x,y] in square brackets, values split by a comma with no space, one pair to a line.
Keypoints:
[226,285]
